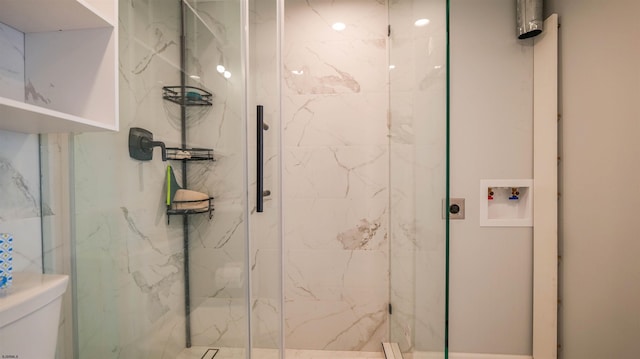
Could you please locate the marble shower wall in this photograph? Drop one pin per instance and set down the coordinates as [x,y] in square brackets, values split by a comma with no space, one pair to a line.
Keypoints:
[11,63]
[19,164]
[335,105]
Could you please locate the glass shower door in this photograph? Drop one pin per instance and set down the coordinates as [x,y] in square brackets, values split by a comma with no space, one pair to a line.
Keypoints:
[241,68]
[418,175]
[265,171]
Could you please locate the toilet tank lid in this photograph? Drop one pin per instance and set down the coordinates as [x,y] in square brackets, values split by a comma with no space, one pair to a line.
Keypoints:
[28,293]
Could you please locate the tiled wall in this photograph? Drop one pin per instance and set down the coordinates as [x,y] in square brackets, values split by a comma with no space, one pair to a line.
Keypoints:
[336,159]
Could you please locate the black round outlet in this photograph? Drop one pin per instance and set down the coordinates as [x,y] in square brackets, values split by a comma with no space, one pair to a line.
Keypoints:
[454,209]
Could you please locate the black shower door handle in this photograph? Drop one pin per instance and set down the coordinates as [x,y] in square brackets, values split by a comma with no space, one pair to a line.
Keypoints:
[260,160]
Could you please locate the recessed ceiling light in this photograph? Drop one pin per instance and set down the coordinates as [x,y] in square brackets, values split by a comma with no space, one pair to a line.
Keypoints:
[220,68]
[297,72]
[422,22]
[227,74]
[195,77]
[339,26]
[391,67]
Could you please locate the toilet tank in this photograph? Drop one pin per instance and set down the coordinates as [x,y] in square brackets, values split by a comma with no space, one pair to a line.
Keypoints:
[30,314]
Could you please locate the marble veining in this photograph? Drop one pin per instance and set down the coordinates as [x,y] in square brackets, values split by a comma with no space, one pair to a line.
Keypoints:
[344,120]
[378,320]
[356,171]
[11,63]
[161,43]
[359,237]
[204,16]
[18,201]
[230,232]
[321,84]
[32,94]
[135,230]
[356,327]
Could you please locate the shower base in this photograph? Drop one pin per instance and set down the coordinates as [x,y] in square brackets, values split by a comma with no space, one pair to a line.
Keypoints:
[239,353]
[440,355]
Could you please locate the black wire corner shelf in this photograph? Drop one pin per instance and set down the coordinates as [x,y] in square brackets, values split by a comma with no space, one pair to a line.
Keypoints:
[190,154]
[193,96]
[175,208]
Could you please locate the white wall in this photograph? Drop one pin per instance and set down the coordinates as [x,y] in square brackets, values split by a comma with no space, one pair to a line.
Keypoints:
[491,138]
[600,176]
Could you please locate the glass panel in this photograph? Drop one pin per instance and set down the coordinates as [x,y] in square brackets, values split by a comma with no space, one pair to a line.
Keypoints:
[266,231]
[365,172]
[418,140]
[130,263]
[335,107]
[218,265]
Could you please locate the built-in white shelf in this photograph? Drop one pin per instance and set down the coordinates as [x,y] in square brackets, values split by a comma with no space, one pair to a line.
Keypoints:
[35,119]
[70,64]
[51,15]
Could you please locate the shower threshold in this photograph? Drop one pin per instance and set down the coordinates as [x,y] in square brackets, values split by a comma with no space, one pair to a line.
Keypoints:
[202,352]
[391,351]
[207,353]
